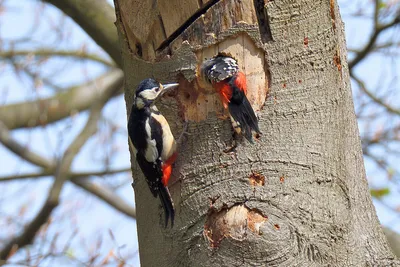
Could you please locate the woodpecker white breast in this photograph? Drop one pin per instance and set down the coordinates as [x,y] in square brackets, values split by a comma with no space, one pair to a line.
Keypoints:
[153,142]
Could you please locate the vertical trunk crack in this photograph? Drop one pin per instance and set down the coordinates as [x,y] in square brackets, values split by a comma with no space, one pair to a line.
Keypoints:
[263,21]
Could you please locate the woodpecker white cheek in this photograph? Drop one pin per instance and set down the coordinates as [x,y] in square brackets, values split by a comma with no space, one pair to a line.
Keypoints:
[149,94]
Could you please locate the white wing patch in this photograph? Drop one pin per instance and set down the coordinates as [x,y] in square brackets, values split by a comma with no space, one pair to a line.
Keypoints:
[151,153]
[150,94]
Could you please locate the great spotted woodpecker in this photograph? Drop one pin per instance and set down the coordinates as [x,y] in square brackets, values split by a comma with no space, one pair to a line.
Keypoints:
[153,142]
[224,75]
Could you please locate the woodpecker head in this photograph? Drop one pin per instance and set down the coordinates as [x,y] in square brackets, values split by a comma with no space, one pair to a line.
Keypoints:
[219,68]
[149,90]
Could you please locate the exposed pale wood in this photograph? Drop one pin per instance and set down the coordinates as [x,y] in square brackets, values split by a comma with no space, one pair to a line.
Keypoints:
[198,98]
[139,17]
[219,23]
[175,12]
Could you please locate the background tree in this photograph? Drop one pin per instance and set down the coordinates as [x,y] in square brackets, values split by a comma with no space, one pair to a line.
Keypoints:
[54,76]
[295,198]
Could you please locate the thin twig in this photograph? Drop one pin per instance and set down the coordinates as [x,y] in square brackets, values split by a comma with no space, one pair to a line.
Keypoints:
[376,99]
[28,234]
[378,29]
[107,195]
[55,53]
[45,111]
[73,175]
[22,151]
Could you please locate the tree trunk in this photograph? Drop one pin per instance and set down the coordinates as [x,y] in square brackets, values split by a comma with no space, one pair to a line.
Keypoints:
[298,196]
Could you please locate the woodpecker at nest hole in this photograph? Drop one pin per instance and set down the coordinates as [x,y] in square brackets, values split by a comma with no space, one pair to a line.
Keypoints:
[222,72]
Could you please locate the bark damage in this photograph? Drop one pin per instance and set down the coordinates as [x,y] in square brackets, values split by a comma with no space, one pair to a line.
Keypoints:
[235,222]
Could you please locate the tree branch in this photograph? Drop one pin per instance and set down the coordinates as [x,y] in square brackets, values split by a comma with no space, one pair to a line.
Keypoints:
[23,152]
[51,53]
[50,172]
[62,171]
[377,100]
[378,29]
[62,105]
[106,195]
[28,234]
[96,18]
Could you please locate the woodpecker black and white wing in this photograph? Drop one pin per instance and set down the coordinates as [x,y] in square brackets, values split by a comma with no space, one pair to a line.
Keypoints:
[219,68]
[152,171]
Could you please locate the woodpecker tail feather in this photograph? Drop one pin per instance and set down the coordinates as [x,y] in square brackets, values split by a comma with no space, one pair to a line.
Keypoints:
[167,204]
[153,173]
[244,117]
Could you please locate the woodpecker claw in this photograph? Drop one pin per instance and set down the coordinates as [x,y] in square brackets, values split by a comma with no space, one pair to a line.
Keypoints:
[233,147]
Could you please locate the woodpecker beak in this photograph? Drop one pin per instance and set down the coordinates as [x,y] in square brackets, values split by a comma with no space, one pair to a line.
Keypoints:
[165,88]
[169,86]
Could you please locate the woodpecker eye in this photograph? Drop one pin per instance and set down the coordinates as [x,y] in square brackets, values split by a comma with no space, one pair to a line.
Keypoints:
[157,89]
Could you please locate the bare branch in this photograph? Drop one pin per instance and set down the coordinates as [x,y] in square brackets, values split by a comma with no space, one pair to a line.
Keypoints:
[377,100]
[378,29]
[62,171]
[14,146]
[107,195]
[52,53]
[50,172]
[96,18]
[76,177]
[62,105]
[28,234]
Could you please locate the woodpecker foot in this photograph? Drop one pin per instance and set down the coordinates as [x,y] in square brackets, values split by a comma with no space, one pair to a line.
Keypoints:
[234,144]
[257,115]
[222,116]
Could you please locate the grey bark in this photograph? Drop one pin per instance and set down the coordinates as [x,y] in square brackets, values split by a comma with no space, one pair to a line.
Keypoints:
[299,196]
[393,240]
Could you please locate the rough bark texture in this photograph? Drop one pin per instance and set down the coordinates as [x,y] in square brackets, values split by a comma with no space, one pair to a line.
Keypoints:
[299,196]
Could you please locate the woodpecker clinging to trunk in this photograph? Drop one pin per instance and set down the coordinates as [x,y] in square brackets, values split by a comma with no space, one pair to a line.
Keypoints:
[224,75]
[153,142]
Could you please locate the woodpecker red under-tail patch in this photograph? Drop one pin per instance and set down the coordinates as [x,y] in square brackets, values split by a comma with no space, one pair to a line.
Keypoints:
[224,75]
[153,142]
